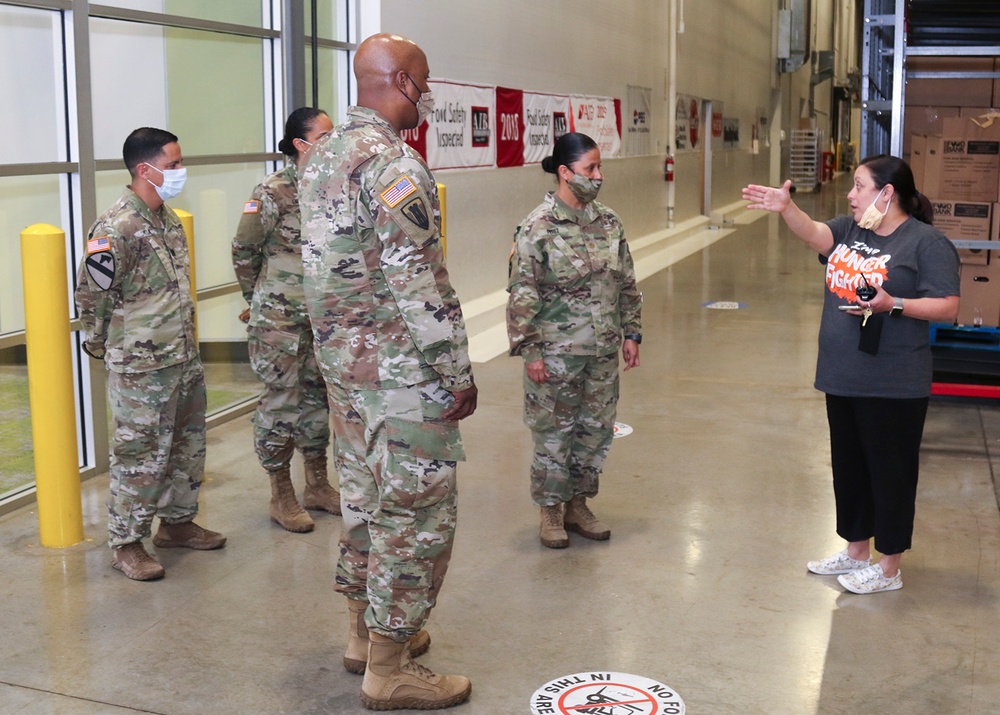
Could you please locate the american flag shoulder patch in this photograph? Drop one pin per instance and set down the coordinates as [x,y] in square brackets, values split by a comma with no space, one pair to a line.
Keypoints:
[98,244]
[251,207]
[400,189]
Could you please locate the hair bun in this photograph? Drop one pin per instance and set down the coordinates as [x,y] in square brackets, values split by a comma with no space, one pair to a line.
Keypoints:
[548,165]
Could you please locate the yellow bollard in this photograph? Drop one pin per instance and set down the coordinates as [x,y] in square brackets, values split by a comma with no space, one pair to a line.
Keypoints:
[187,221]
[50,385]
[443,197]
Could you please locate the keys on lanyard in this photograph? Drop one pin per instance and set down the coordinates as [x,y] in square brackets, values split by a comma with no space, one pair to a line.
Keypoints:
[865,292]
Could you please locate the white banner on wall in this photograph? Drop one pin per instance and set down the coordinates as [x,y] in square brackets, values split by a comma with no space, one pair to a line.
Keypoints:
[460,132]
[598,118]
[546,118]
[637,138]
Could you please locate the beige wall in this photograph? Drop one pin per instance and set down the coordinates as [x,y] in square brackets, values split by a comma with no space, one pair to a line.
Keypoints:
[726,54]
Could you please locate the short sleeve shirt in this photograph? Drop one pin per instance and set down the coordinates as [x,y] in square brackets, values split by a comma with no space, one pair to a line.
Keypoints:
[914,261]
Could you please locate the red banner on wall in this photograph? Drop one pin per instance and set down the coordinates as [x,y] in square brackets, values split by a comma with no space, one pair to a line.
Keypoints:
[510,127]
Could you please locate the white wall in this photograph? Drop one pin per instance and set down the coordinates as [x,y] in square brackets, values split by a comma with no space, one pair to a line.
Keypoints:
[592,47]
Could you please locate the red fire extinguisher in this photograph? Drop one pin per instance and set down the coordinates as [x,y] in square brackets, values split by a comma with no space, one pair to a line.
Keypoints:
[668,168]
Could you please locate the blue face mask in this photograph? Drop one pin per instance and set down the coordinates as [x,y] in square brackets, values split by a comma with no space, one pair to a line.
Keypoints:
[173,182]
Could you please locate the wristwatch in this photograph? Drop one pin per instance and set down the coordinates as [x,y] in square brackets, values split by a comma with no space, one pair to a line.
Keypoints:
[633,336]
[897,309]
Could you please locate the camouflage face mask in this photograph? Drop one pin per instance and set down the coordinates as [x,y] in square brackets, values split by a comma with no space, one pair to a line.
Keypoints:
[583,188]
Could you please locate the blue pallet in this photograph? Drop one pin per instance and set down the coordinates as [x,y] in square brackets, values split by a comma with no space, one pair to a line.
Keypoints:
[962,336]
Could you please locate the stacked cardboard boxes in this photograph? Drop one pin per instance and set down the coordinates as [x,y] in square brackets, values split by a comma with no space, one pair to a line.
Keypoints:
[952,141]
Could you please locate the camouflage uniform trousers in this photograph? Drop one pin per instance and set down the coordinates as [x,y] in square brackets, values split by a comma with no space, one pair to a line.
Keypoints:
[293,409]
[397,465]
[158,454]
[571,418]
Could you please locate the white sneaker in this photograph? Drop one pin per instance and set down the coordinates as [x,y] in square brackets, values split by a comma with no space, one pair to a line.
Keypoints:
[840,562]
[871,580]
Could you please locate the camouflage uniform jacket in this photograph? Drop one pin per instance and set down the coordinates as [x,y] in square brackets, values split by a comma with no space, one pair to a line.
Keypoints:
[133,290]
[383,310]
[267,257]
[572,283]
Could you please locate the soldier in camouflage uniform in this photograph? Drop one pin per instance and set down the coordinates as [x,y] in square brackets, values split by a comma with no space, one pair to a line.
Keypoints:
[391,342]
[292,411]
[573,303]
[134,300]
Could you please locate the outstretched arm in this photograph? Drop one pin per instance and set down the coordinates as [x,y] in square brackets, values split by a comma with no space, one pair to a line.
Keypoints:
[766,198]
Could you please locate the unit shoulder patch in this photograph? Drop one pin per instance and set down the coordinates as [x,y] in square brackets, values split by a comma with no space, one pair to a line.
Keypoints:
[101,269]
[416,212]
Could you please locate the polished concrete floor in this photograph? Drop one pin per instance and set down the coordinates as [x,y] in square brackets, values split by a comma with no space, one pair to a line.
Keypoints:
[716,500]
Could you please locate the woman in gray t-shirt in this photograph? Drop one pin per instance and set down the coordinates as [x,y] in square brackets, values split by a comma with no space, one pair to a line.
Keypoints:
[888,273]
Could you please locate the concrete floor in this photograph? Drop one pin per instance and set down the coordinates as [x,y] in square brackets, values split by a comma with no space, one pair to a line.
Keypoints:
[716,501]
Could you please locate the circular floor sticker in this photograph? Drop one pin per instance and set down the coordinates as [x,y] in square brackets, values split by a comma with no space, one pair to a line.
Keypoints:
[606,694]
[622,430]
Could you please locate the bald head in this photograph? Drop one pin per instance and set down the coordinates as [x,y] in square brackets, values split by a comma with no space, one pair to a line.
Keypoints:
[391,71]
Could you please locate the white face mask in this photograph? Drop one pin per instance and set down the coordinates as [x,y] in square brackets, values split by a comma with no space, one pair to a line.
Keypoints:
[173,182]
[424,105]
[872,217]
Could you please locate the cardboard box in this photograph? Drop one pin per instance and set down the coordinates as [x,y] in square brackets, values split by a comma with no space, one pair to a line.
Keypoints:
[949,92]
[979,304]
[964,163]
[929,181]
[965,221]
[918,158]
[924,120]
[972,112]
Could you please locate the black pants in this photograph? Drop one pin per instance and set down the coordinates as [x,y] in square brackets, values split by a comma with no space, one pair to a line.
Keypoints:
[875,450]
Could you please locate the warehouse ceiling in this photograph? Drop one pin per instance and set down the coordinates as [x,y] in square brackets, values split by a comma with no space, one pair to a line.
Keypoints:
[955,23]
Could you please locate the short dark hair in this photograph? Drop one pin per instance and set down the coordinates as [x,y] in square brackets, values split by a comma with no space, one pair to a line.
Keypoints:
[298,124]
[567,150]
[886,169]
[144,144]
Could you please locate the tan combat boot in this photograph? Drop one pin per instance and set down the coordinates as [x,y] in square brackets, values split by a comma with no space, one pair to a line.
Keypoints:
[285,509]
[552,532]
[319,494]
[581,519]
[133,561]
[187,535]
[393,681]
[356,657]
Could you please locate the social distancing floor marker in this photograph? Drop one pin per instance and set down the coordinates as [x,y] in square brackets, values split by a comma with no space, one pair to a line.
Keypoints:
[622,430]
[606,693]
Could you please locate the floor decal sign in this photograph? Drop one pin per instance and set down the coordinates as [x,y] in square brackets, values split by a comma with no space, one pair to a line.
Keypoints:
[606,694]
[622,430]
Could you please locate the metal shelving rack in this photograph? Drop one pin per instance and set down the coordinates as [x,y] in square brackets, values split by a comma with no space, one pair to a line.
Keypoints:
[884,73]
[804,159]
[882,97]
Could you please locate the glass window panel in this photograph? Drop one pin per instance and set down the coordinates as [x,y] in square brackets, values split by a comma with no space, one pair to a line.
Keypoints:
[239,12]
[24,201]
[331,19]
[215,92]
[17,456]
[332,73]
[28,42]
[126,95]
[216,111]
[228,376]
